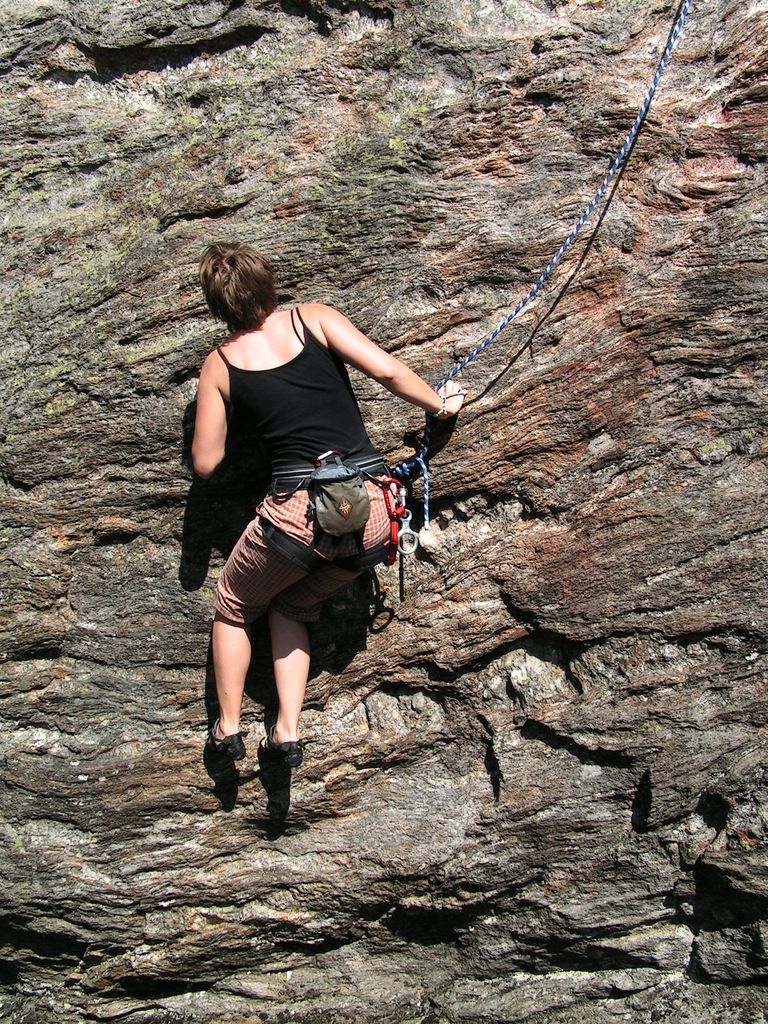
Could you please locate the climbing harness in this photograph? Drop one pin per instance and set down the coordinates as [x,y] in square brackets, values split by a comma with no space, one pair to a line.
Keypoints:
[331,483]
[408,467]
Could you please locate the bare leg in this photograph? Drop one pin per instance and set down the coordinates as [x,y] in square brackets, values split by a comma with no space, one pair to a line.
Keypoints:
[290,655]
[231,658]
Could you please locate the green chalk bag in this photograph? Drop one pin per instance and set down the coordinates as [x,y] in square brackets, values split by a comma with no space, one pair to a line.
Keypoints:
[338,495]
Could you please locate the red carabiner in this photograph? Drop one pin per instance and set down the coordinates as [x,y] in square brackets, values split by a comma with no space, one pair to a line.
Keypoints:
[395,513]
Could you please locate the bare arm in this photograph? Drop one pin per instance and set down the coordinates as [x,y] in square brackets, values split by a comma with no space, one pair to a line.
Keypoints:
[355,348]
[210,419]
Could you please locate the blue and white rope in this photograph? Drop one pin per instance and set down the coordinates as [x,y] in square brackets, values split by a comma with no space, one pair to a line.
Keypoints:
[406,468]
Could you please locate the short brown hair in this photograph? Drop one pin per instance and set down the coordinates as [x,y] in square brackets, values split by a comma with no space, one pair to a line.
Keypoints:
[238,284]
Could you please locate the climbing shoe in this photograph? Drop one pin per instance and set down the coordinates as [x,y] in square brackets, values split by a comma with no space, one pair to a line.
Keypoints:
[232,746]
[290,753]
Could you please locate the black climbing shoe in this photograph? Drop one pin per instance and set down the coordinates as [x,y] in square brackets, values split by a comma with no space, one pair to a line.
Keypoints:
[232,746]
[291,753]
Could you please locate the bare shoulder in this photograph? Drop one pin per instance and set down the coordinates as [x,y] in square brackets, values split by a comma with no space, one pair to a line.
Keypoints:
[318,309]
[212,362]
[339,334]
[319,319]
[214,371]
[326,322]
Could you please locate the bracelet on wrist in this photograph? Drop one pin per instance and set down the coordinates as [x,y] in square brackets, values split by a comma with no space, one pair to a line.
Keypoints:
[441,413]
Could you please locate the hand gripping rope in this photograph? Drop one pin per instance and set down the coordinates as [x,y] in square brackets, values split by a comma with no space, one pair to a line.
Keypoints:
[406,469]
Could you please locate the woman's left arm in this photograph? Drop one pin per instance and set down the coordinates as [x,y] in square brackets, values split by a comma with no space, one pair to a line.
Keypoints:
[210,419]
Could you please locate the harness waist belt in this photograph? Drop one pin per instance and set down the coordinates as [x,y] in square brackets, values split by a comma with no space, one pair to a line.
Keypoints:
[294,475]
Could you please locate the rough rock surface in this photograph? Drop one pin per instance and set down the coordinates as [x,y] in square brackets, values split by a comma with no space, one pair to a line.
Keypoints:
[536,787]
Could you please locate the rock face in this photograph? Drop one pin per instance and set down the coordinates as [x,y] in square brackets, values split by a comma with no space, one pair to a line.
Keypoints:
[535,787]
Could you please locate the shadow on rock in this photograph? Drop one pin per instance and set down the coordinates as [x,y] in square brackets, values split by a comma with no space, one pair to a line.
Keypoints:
[226,775]
[275,777]
[218,510]
[440,434]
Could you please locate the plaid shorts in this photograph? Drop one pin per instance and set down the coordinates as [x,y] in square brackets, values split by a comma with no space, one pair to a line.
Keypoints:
[256,577]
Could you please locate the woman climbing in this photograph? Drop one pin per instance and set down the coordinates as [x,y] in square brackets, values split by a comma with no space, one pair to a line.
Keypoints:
[286,368]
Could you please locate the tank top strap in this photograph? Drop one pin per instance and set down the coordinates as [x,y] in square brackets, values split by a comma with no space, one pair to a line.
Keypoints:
[226,361]
[301,319]
[311,336]
[295,328]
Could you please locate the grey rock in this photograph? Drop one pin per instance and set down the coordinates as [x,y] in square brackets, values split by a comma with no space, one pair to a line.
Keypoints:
[535,787]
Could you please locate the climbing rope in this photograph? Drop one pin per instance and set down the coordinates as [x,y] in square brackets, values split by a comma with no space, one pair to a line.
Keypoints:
[405,469]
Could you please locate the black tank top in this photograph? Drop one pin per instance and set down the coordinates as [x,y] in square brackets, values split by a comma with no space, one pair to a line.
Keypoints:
[304,407]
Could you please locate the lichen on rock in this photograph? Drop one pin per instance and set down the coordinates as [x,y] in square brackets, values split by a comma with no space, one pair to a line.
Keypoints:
[535,774]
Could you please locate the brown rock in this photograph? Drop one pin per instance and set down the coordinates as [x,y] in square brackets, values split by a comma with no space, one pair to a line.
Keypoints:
[535,787]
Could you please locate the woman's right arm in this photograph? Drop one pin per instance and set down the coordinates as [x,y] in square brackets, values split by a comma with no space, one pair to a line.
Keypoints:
[210,418]
[355,348]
